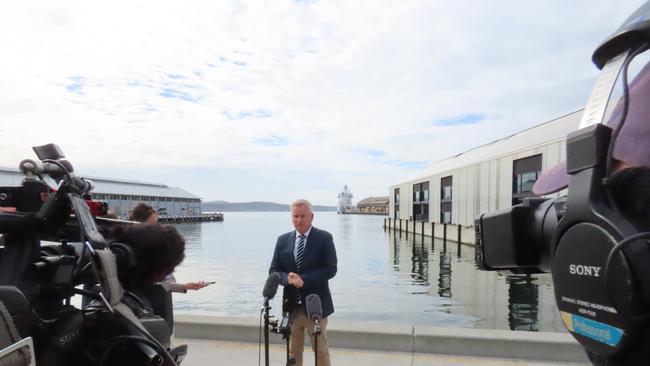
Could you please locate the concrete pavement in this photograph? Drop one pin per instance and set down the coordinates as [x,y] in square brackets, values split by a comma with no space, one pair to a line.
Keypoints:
[215,352]
[391,340]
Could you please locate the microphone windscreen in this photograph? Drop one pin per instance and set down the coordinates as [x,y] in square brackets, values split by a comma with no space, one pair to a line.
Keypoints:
[271,285]
[314,307]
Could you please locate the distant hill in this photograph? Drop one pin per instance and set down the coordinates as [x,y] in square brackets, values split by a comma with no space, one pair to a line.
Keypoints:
[223,206]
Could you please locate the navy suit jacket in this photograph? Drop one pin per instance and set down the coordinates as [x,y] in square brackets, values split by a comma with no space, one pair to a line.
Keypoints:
[318,264]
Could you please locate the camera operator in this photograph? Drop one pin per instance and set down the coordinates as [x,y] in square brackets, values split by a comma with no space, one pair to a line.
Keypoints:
[629,186]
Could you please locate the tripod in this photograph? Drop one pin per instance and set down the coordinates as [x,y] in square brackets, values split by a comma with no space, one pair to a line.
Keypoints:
[285,330]
[266,309]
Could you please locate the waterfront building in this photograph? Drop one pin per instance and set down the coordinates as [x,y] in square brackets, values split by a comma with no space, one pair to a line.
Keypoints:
[122,195]
[373,205]
[497,175]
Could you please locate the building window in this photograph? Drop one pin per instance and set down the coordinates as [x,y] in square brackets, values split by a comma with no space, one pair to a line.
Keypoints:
[421,201]
[396,205]
[524,175]
[446,192]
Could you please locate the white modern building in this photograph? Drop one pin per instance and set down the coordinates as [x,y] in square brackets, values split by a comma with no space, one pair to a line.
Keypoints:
[487,178]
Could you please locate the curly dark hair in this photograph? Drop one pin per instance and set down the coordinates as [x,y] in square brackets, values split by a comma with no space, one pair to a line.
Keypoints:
[157,249]
[141,212]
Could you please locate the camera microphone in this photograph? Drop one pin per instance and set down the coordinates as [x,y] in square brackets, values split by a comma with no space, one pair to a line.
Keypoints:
[271,286]
[314,310]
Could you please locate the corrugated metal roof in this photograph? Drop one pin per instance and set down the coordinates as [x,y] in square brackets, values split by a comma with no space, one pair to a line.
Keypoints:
[103,185]
[373,201]
[12,177]
[545,133]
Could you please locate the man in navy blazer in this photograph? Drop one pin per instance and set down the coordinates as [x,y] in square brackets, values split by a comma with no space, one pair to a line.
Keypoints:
[306,260]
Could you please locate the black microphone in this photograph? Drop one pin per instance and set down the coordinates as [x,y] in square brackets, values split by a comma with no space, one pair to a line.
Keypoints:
[271,286]
[314,310]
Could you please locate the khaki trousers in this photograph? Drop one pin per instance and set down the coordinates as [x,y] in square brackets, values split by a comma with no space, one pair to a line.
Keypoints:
[300,324]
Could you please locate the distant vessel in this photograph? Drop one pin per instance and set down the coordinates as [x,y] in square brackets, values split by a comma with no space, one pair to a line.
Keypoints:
[345,201]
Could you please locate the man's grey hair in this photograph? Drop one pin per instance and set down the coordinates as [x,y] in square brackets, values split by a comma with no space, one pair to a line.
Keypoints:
[301,202]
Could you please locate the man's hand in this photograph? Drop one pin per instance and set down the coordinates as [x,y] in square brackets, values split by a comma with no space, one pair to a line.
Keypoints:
[295,279]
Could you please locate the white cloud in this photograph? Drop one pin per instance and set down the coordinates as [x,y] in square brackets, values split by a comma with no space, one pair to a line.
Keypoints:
[148,89]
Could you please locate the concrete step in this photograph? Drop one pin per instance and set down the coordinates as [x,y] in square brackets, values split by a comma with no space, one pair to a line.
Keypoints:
[545,346]
[213,352]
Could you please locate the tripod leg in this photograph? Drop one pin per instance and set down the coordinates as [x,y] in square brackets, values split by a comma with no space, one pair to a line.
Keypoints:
[266,335]
[316,349]
[290,361]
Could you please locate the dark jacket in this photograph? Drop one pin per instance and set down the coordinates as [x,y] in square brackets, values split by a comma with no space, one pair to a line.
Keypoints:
[318,263]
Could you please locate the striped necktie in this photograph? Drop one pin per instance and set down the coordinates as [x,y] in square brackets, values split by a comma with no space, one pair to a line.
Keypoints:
[301,251]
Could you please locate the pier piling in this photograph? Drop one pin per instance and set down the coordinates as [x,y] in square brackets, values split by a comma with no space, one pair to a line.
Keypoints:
[459,237]
[444,238]
[406,226]
[433,224]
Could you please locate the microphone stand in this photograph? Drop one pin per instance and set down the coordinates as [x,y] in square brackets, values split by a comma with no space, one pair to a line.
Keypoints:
[316,333]
[285,329]
[266,331]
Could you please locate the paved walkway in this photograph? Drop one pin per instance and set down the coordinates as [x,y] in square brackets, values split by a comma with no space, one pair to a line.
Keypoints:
[213,352]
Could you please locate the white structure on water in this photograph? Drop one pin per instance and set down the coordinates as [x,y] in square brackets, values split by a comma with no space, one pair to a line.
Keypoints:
[345,201]
[487,178]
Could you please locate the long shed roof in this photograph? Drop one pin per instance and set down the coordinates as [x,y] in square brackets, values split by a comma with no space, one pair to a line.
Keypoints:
[376,201]
[545,133]
[12,177]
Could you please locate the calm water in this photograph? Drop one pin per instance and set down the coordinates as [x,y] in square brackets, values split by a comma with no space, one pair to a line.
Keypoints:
[381,277]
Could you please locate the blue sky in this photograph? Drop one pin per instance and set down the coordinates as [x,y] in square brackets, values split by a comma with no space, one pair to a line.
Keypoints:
[260,100]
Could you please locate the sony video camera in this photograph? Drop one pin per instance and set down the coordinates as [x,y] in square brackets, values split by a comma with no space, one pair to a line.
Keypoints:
[598,258]
[52,248]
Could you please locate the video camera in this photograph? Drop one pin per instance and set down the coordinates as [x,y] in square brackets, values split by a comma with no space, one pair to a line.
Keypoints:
[597,256]
[52,248]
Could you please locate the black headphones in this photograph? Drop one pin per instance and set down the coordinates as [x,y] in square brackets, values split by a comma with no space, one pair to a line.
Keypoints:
[601,266]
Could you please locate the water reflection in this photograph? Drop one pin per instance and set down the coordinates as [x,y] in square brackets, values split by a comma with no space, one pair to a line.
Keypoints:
[395,253]
[523,302]
[345,229]
[444,278]
[420,267]
[498,300]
